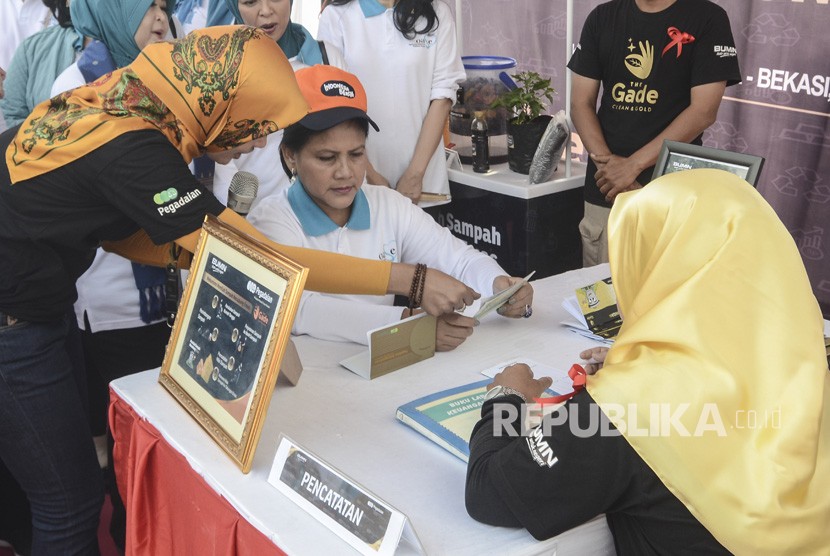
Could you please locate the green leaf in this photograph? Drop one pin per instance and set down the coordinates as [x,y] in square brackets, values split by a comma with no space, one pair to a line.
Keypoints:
[526,101]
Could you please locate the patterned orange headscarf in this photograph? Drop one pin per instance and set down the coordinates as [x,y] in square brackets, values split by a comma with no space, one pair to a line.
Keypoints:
[215,89]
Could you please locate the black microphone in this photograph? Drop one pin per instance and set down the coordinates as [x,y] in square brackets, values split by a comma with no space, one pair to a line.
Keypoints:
[242,192]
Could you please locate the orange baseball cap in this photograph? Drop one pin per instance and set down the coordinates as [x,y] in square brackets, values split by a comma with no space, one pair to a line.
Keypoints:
[334,96]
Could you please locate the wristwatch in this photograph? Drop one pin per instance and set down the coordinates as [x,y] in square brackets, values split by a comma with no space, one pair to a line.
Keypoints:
[499,390]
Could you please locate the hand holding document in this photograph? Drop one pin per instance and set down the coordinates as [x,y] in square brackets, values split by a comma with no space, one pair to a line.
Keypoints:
[449,416]
[562,383]
[492,303]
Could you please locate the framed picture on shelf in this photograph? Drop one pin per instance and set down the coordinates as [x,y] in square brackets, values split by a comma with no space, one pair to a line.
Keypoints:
[676,156]
[230,335]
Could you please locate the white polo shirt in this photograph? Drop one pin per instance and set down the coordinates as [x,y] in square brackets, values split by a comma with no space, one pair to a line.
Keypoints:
[401,76]
[383,225]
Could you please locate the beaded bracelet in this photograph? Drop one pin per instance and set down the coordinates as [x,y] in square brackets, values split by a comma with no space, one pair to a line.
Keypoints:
[414,285]
[419,296]
[416,291]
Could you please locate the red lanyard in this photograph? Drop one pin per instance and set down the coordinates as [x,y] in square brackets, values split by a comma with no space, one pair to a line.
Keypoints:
[578,376]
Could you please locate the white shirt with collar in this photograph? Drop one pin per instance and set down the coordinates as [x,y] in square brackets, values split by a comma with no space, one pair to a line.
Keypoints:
[401,76]
[383,225]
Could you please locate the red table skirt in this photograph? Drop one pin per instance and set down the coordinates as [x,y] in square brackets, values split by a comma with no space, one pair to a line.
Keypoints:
[171,509]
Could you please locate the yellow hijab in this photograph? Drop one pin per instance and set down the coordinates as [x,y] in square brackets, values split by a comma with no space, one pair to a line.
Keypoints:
[719,315]
[215,89]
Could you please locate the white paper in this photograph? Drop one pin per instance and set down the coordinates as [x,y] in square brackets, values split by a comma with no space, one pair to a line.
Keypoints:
[571,305]
[579,325]
[562,383]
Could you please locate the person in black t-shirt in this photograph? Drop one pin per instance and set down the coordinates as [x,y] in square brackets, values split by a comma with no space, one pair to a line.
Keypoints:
[107,164]
[554,482]
[705,431]
[663,66]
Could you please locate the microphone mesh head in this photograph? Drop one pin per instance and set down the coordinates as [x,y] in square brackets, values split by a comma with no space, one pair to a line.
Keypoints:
[244,184]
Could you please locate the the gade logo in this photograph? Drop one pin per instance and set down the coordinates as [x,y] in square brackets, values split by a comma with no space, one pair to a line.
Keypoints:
[166,196]
[640,64]
[337,89]
[636,96]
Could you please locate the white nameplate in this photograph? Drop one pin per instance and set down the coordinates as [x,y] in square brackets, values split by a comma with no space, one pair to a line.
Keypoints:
[368,524]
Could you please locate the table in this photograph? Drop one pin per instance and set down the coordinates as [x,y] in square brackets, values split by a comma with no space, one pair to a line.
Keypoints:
[185,496]
[523,226]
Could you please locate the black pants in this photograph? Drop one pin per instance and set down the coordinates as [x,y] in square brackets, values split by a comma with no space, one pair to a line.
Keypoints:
[112,354]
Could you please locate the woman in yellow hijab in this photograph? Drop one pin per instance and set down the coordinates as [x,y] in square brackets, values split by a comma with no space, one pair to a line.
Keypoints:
[717,381]
[107,163]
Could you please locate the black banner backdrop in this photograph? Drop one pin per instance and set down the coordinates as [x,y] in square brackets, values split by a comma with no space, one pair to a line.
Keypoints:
[780,111]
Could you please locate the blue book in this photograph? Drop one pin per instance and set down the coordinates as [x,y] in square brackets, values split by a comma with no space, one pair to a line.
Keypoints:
[447,417]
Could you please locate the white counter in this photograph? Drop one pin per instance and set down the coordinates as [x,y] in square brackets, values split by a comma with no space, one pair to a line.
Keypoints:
[350,423]
[500,179]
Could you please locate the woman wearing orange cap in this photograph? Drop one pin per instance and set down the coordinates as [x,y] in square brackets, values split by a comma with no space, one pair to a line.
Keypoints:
[716,389]
[88,167]
[330,207]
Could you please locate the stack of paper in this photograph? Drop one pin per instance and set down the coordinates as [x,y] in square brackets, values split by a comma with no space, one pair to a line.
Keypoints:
[578,323]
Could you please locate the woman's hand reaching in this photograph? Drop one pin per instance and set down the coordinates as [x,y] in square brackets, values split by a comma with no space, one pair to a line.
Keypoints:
[594,359]
[444,294]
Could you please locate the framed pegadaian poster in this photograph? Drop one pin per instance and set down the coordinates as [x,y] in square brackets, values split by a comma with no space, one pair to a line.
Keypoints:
[231,333]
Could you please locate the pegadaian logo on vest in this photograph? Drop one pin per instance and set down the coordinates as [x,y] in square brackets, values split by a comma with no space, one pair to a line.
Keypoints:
[165,197]
[476,233]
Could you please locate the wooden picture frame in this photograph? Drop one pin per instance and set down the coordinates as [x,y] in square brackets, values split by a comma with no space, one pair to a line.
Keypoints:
[676,156]
[230,335]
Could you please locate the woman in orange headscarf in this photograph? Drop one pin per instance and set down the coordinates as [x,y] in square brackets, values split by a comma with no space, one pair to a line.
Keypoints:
[107,163]
[717,387]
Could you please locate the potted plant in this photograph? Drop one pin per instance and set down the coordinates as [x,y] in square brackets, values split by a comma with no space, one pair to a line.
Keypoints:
[525,102]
